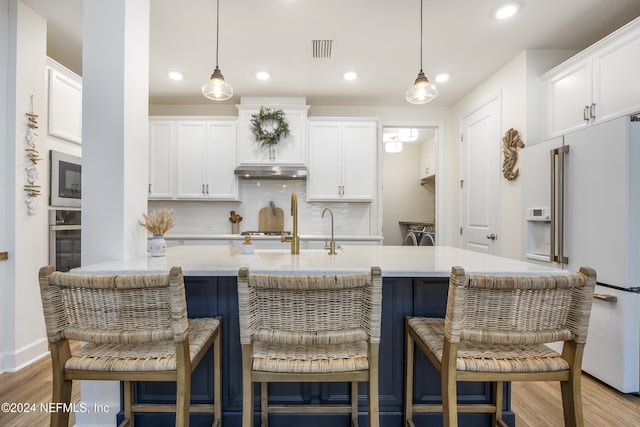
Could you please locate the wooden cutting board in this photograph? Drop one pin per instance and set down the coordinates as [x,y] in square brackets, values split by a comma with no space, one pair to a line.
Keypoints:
[271,219]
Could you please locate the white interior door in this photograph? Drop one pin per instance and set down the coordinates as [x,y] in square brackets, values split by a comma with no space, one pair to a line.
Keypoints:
[480,179]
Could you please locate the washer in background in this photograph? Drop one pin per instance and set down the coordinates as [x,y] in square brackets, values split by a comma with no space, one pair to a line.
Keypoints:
[420,235]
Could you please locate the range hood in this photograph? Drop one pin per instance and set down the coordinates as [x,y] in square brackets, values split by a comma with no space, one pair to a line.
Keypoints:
[271,172]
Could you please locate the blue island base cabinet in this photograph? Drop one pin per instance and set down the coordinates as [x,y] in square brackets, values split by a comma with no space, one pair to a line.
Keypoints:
[217,296]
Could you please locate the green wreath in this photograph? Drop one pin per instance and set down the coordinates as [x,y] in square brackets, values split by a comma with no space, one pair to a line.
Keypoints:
[269,135]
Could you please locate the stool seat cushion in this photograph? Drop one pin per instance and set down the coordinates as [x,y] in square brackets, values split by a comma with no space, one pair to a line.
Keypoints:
[479,357]
[300,358]
[145,357]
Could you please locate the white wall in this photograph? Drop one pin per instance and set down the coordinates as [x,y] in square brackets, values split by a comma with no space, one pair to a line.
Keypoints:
[4,185]
[517,83]
[24,337]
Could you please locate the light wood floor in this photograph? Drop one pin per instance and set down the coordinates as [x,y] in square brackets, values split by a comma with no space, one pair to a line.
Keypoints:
[540,404]
[31,385]
[535,404]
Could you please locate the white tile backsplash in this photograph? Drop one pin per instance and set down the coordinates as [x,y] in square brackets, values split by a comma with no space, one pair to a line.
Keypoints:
[211,217]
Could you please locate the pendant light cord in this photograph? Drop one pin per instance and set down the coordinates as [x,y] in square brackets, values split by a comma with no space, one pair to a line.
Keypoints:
[218,30]
[421,2]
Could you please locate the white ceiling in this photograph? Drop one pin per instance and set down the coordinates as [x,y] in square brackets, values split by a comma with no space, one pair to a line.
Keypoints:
[378,39]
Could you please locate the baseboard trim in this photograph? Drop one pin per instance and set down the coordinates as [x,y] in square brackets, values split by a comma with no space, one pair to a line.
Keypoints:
[24,356]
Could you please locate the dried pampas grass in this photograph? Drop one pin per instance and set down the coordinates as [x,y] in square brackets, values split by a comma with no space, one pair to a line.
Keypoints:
[158,222]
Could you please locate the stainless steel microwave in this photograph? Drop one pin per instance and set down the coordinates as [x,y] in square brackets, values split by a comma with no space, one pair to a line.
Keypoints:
[66,180]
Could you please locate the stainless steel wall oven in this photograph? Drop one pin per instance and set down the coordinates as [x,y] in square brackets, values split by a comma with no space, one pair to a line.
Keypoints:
[64,239]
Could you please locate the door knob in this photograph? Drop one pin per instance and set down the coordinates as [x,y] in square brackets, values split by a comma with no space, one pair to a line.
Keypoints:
[492,236]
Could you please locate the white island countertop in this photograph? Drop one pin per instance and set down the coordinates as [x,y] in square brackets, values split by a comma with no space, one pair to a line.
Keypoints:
[395,261]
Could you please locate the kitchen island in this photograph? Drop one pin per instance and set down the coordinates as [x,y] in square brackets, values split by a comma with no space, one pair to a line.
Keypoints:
[415,281]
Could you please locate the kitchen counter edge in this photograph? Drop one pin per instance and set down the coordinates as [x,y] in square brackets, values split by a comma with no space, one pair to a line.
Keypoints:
[394,261]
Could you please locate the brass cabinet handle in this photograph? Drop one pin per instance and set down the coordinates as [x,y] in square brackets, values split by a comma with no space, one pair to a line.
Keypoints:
[592,110]
[585,115]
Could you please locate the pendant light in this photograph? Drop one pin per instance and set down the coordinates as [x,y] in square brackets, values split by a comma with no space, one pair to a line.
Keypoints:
[393,145]
[216,88]
[421,91]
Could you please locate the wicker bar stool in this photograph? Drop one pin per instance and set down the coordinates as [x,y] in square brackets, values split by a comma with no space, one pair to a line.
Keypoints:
[136,329]
[494,330]
[310,329]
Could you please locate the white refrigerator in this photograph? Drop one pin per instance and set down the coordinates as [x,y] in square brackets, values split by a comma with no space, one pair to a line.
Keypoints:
[581,202]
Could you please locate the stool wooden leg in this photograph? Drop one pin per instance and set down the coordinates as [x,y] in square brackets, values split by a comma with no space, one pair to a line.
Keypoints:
[408,377]
[128,387]
[354,404]
[217,380]
[183,399]
[449,386]
[61,394]
[60,353]
[572,388]
[247,388]
[374,403]
[497,400]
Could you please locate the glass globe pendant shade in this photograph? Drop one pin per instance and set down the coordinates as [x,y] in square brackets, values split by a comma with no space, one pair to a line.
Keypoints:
[393,146]
[216,88]
[421,92]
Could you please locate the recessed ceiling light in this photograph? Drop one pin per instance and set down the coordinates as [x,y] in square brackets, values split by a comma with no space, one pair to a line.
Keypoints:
[262,75]
[350,75]
[175,75]
[507,10]
[442,77]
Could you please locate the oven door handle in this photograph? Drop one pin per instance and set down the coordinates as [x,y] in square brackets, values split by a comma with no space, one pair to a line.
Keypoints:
[64,227]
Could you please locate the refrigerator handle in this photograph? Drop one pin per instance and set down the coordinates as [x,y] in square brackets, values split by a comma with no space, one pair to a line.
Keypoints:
[561,258]
[557,205]
[552,192]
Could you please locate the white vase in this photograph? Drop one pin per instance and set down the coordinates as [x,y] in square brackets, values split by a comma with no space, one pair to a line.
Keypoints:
[157,245]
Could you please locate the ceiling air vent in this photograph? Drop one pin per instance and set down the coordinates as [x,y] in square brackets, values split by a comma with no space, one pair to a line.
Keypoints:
[322,48]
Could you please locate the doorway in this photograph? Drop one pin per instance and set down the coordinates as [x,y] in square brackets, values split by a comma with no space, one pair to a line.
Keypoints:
[410,165]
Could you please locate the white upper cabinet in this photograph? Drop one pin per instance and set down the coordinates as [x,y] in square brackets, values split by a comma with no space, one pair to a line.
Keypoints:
[616,86]
[221,147]
[191,152]
[161,153]
[193,159]
[596,85]
[290,150]
[65,103]
[342,160]
[567,96]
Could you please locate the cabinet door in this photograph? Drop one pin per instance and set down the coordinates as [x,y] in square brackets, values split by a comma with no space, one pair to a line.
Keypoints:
[567,99]
[161,139]
[190,154]
[289,150]
[359,161]
[221,160]
[325,161]
[65,105]
[616,86]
